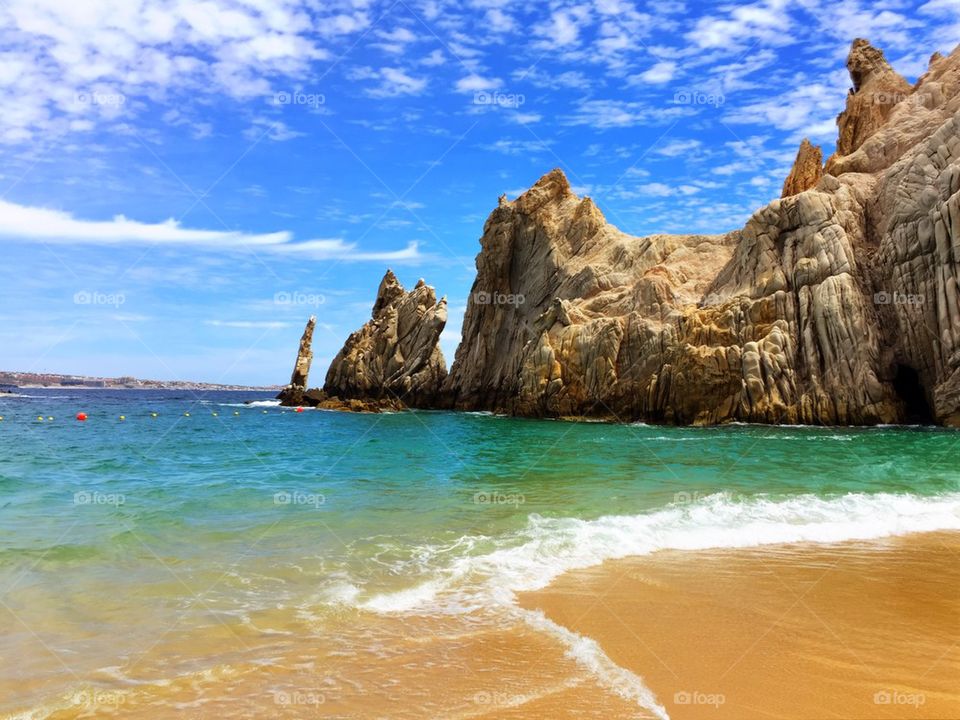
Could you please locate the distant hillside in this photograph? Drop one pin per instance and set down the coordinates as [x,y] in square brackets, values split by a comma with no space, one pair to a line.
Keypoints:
[30,379]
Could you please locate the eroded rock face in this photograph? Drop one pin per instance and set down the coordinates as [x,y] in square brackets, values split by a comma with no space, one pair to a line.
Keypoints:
[877,88]
[568,315]
[838,305]
[806,171]
[395,357]
[292,394]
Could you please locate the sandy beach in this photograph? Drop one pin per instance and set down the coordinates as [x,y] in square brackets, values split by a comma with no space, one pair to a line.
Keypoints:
[851,630]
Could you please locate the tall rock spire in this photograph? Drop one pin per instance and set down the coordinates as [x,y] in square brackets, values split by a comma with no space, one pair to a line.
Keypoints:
[292,394]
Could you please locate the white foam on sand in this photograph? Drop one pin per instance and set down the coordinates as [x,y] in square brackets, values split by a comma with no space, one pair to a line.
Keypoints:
[548,547]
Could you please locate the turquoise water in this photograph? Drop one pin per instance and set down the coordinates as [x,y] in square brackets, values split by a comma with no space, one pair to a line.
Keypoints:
[271,508]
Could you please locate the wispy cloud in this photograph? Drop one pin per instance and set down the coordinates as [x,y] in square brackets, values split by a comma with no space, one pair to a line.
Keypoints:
[35,224]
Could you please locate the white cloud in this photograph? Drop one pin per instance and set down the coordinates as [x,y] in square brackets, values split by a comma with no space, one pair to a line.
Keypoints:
[603,114]
[563,28]
[273,129]
[433,59]
[499,22]
[34,224]
[519,147]
[395,82]
[660,73]
[70,66]
[807,109]
[475,83]
[676,148]
[768,23]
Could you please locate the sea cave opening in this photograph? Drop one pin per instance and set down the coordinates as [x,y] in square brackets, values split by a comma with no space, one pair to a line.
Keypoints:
[910,390]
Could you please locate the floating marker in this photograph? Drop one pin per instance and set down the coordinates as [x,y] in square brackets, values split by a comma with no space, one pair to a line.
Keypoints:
[299,409]
[264,412]
[50,417]
[153,414]
[123,417]
[235,412]
[1,417]
[214,414]
[82,416]
[39,418]
[186,414]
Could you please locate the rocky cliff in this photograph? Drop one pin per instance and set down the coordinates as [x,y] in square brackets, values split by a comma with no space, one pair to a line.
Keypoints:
[395,357]
[838,304]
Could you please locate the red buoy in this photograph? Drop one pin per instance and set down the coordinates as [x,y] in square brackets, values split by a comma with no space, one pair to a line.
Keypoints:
[299,410]
[81,416]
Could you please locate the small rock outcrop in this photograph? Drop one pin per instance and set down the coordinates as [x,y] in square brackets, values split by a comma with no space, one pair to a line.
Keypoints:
[806,171]
[292,394]
[395,357]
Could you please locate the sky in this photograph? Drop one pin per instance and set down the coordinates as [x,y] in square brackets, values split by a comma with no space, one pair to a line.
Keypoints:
[184,183]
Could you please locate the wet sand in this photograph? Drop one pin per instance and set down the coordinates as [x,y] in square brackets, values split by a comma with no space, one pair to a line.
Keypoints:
[854,630]
[847,631]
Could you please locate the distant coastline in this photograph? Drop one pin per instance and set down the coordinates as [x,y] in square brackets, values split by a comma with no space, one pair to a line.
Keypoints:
[16,380]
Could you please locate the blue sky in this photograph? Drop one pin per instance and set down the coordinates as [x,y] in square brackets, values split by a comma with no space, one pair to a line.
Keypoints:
[184,183]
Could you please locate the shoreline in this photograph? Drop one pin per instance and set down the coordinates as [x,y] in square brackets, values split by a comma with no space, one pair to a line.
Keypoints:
[217,388]
[855,629]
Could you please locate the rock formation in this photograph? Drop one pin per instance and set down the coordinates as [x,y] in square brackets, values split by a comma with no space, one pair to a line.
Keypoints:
[395,357]
[877,88]
[806,171]
[292,394]
[837,305]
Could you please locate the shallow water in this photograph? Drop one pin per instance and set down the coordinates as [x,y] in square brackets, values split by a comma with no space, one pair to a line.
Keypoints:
[262,558]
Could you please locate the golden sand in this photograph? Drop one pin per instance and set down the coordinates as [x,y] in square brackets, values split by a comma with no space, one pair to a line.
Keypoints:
[849,631]
[854,631]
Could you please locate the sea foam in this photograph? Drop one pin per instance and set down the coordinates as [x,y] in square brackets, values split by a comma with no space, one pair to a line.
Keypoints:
[547,547]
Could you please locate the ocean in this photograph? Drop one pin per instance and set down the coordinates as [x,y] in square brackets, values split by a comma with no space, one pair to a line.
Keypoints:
[215,555]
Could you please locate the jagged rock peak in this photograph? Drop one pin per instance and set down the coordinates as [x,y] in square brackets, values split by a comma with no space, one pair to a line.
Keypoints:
[806,171]
[865,62]
[396,355]
[877,89]
[389,292]
[551,188]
